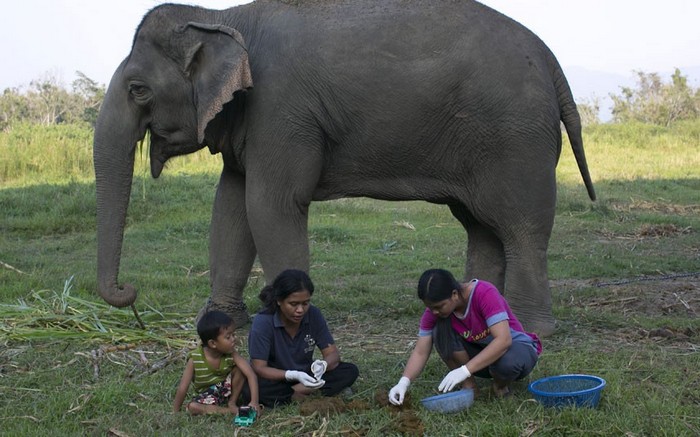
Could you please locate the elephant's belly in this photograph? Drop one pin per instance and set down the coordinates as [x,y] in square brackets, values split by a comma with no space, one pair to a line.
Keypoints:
[428,189]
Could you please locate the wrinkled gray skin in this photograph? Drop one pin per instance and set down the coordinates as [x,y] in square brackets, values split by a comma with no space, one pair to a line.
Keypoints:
[448,102]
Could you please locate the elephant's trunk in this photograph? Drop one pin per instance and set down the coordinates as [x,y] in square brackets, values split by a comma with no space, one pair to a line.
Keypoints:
[116,134]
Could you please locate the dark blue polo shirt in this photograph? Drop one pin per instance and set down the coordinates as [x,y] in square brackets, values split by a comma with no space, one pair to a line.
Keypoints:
[269,341]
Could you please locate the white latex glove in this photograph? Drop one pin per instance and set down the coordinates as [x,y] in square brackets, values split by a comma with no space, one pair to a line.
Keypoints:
[397,393]
[453,378]
[318,368]
[303,377]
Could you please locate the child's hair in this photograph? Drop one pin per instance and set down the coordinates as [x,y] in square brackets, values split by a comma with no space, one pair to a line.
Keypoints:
[211,324]
[288,282]
[435,285]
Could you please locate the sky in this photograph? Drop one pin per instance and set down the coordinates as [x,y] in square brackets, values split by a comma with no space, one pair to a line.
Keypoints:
[599,43]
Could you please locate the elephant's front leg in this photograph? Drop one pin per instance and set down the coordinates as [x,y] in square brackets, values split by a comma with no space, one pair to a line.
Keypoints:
[231,248]
[279,223]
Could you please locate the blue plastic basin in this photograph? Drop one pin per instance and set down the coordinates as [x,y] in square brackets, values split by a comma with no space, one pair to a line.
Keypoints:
[451,402]
[568,390]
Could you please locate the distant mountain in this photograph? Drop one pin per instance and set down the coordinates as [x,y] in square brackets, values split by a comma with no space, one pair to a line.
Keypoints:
[589,84]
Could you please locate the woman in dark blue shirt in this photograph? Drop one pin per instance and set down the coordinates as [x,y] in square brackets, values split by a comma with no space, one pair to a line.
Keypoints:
[282,340]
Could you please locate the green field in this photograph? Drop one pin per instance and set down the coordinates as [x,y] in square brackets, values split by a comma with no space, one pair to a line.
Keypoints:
[624,272]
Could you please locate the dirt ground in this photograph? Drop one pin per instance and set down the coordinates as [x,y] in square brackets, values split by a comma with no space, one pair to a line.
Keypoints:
[653,297]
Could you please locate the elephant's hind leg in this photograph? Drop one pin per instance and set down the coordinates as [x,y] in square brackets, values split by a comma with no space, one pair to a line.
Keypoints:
[527,285]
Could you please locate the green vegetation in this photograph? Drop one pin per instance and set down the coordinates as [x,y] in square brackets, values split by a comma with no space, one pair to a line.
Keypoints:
[58,153]
[623,270]
[47,102]
[651,101]
[654,101]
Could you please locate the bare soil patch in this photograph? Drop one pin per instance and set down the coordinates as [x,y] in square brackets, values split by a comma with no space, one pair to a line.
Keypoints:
[661,207]
[649,231]
[676,296]
[650,297]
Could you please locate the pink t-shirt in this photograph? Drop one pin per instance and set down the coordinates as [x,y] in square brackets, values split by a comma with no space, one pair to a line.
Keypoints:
[485,308]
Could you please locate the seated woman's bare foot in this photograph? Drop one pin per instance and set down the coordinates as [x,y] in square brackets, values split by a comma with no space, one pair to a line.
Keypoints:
[299,396]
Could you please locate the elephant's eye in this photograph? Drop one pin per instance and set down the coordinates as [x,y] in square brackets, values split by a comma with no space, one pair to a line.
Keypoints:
[138,91]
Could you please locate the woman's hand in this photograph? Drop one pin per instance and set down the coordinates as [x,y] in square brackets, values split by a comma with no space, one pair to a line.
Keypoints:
[398,392]
[304,378]
[453,378]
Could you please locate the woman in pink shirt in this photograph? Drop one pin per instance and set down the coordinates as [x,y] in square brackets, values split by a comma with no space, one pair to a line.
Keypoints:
[474,331]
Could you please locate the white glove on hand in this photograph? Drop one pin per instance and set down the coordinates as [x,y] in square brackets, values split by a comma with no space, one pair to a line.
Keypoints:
[303,377]
[397,393]
[318,368]
[453,378]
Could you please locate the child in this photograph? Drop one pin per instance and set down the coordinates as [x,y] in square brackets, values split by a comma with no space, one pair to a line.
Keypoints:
[216,370]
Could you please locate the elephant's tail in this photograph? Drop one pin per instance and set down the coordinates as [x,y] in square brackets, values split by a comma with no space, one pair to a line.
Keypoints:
[572,123]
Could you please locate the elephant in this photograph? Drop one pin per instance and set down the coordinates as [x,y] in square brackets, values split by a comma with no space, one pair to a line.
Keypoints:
[448,102]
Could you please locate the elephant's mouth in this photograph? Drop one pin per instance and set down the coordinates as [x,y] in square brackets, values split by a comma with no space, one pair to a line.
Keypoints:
[156,167]
[158,158]
[161,149]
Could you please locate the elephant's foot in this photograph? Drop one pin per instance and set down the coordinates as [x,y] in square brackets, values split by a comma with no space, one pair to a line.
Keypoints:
[543,328]
[236,309]
[536,319]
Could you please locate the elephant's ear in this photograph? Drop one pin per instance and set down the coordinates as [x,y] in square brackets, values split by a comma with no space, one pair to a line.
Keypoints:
[218,66]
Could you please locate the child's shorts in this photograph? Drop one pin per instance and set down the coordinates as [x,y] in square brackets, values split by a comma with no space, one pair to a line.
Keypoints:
[217,394]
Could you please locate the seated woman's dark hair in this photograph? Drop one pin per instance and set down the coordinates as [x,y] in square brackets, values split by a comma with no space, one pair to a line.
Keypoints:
[211,324]
[435,285]
[288,282]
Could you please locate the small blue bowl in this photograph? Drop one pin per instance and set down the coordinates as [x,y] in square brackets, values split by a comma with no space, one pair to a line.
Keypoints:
[451,402]
[568,390]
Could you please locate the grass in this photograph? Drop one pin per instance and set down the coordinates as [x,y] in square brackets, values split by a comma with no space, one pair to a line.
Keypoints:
[623,270]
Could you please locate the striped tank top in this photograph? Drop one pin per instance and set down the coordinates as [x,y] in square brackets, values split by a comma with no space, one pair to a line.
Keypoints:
[204,375]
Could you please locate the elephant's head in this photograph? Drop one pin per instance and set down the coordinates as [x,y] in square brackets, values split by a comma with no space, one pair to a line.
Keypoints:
[183,67]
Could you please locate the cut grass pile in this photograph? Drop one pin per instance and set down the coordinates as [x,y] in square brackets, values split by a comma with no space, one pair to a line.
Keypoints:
[48,316]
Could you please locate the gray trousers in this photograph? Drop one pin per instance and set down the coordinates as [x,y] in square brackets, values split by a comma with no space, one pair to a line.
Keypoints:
[515,364]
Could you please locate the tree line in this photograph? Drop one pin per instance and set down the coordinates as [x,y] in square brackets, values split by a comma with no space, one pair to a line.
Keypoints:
[651,101]
[46,102]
